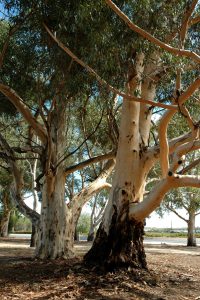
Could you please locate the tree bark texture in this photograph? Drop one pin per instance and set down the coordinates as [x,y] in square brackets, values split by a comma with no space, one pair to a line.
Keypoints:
[6,215]
[122,247]
[119,240]
[191,239]
[52,234]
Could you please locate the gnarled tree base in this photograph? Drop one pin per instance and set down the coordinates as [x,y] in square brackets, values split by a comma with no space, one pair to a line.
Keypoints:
[122,248]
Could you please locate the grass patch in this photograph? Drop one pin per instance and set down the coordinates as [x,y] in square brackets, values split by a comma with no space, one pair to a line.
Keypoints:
[168,234]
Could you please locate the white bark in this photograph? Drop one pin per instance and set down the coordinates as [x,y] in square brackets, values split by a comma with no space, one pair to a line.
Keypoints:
[142,210]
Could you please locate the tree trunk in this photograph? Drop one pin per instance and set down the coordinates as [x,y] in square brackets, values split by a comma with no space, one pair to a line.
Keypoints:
[54,238]
[33,236]
[4,223]
[121,248]
[6,214]
[119,240]
[52,232]
[34,233]
[191,239]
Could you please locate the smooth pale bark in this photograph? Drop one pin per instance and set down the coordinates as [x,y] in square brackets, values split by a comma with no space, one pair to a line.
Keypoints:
[142,210]
[119,240]
[52,232]
[34,232]
[191,239]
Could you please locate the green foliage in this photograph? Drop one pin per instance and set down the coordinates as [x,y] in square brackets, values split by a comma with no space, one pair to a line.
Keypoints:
[18,222]
[152,234]
[83,224]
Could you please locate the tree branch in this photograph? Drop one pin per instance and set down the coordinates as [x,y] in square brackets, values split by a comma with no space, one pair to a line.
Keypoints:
[98,184]
[23,109]
[85,140]
[17,187]
[186,19]
[152,201]
[151,38]
[102,81]
[194,21]
[88,162]
[164,122]
[190,166]
[175,212]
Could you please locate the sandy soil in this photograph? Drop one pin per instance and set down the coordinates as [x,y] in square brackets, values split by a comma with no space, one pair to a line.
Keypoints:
[174,273]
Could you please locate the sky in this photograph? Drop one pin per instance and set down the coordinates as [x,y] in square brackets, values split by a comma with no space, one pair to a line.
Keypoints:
[170,220]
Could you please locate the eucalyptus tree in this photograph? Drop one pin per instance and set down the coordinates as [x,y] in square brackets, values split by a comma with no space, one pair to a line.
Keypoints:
[46,88]
[167,79]
[187,199]
[96,34]
[98,204]
[121,230]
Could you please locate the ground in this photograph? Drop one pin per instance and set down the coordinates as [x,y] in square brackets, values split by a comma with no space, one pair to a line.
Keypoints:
[174,273]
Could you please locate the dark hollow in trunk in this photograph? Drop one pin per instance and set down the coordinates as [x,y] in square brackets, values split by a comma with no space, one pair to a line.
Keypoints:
[122,248]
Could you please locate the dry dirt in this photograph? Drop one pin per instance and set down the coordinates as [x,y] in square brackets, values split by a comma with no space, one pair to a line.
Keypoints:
[174,273]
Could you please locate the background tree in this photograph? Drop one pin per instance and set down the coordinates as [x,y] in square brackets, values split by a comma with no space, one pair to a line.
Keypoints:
[47,108]
[186,199]
[98,204]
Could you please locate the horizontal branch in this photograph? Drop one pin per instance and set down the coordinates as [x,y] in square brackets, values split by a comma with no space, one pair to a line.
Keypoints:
[151,38]
[102,81]
[88,162]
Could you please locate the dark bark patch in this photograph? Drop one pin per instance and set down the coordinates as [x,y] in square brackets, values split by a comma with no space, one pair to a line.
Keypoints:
[124,192]
[122,247]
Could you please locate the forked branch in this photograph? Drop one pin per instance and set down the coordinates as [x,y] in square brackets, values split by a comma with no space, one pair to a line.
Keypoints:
[102,81]
[153,200]
[151,38]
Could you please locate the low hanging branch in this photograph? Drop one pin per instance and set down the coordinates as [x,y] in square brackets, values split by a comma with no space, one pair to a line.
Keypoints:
[151,38]
[16,188]
[102,81]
